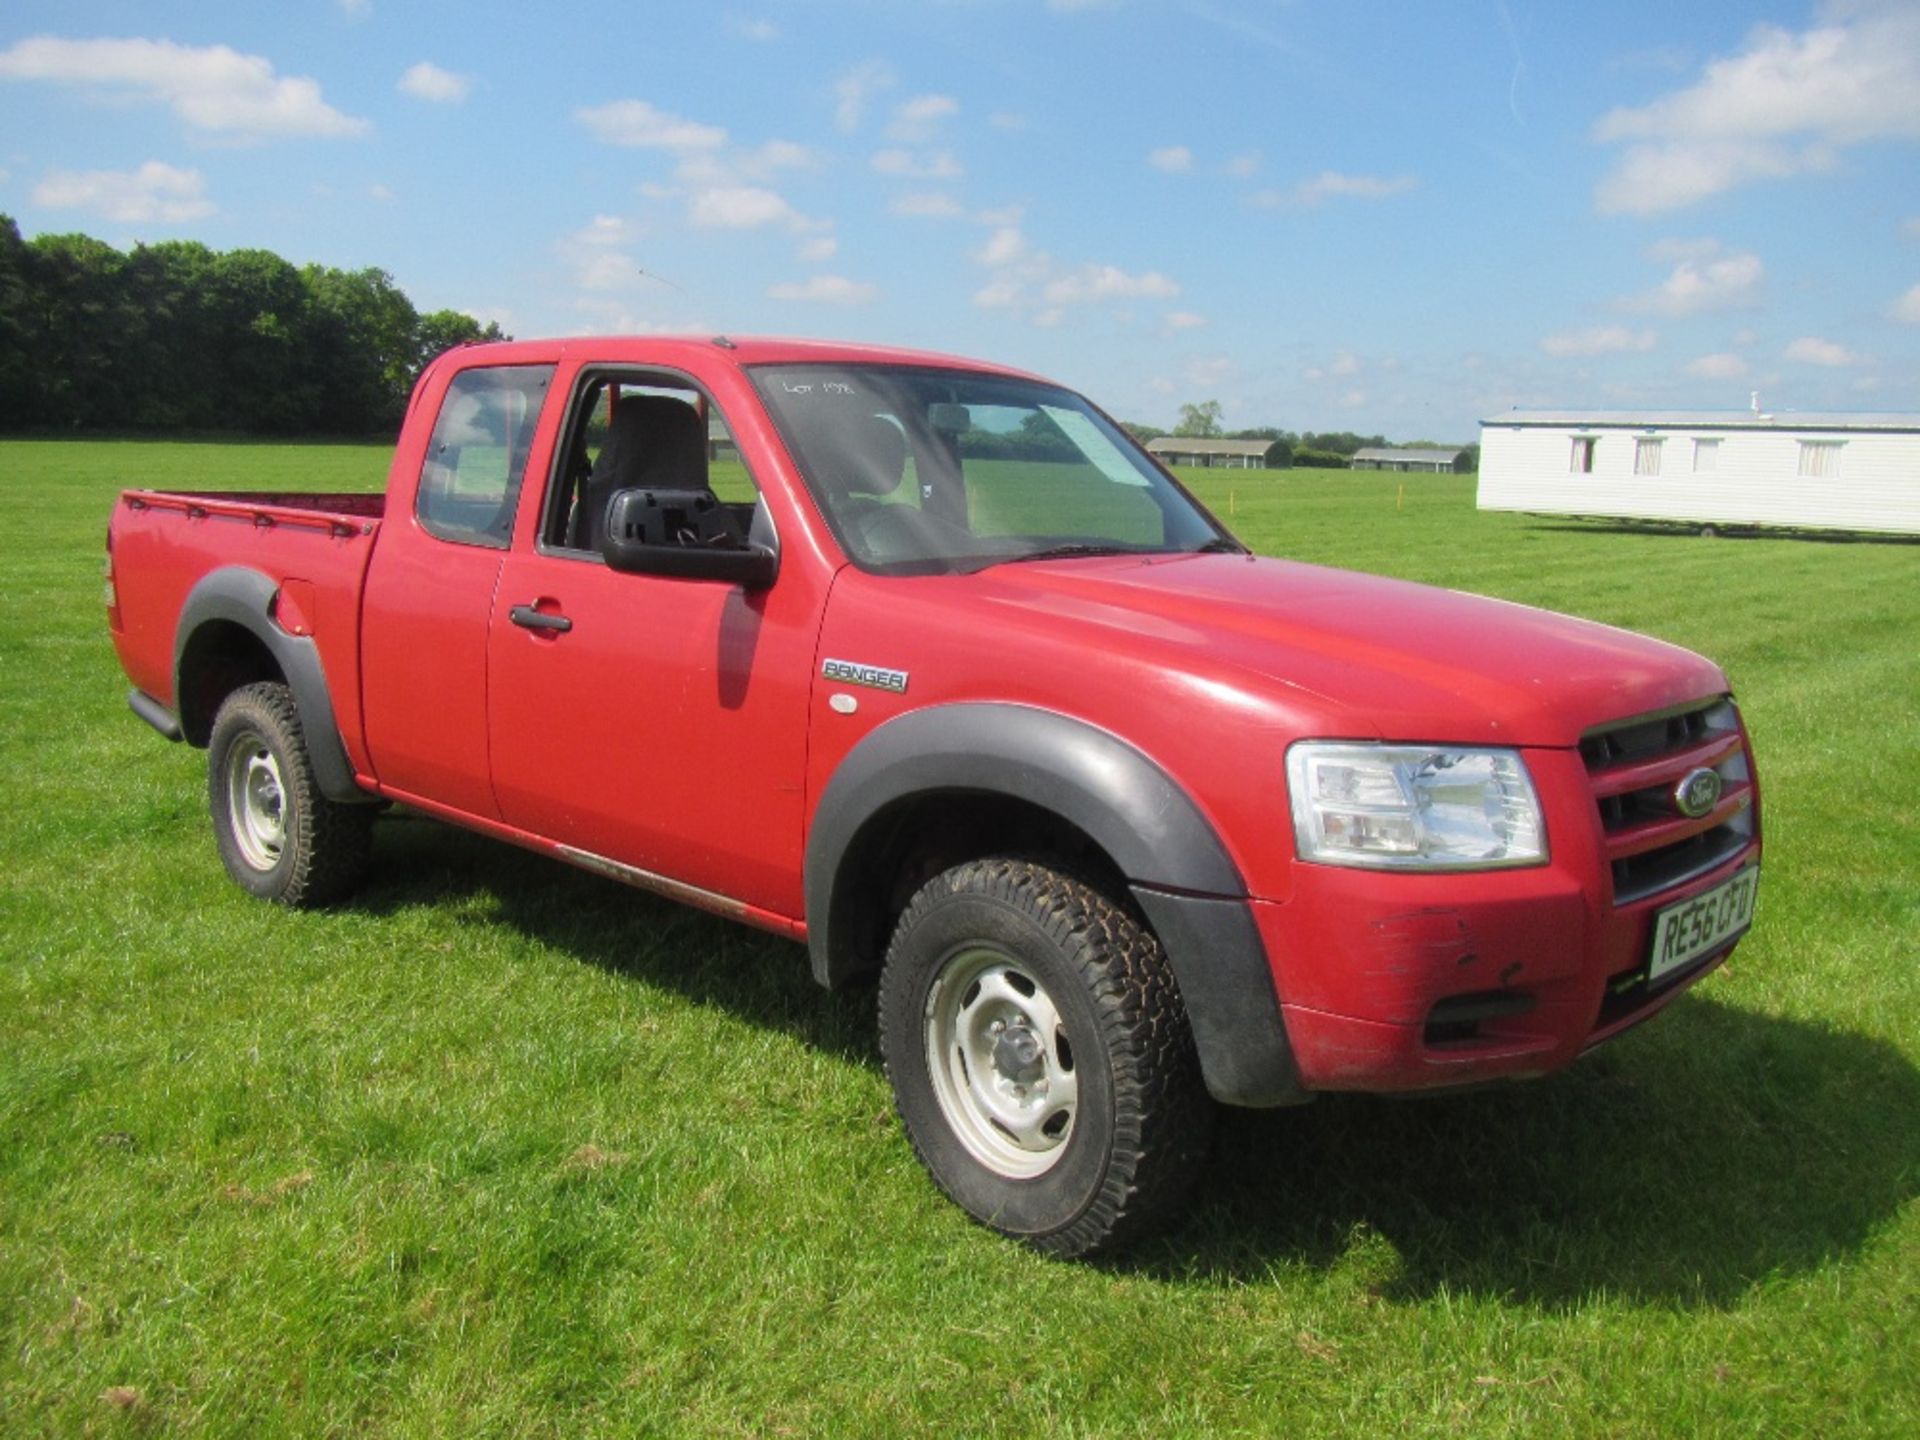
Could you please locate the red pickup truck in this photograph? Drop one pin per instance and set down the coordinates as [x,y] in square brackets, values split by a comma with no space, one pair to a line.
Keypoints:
[925,663]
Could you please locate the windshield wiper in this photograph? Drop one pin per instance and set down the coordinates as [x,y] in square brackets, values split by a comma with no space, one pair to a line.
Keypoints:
[1064,552]
[1220,545]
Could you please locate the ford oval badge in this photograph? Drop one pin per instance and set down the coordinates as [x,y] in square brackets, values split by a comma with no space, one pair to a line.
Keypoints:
[1697,793]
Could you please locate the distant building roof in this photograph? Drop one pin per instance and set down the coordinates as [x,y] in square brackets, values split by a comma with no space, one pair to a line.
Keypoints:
[1198,445]
[1422,454]
[1709,419]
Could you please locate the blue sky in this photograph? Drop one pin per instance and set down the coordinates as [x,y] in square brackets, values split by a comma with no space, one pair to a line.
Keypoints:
[1394,217]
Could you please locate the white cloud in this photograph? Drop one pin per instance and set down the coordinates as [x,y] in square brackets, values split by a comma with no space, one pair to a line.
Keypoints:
[826,290]
[1911,229]
[759,31]
[855,90]
[927,205]
[1242,167]
[1205,372]
[1907,307]
[382,193]
[1176,320]
[1785,105]
[1108,282]
[211,88]
[1722,366]
[357,9]
[1812,350]
[606,270]
[1004,215]
[1048,319]
[1674,249]
[1332,185]
[427,81]
[605,230]
[819,249]
[905,165]
[1600,340]
[997,293]
[1004,246]
[741,207]
[638,124]
[153,193]
[1007,120]
[742,167]
[1173,159]
[1701,284]
[917,119]
[1344,363]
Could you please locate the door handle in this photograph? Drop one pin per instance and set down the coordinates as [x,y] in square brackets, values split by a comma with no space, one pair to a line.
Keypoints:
[529,618]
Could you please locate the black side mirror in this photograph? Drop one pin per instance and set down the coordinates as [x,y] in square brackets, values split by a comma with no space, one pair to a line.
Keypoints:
[685,534]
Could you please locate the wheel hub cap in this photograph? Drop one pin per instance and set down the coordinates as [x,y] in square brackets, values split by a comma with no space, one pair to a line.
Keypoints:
[256,802]
[1002,1068]
[1018,1057]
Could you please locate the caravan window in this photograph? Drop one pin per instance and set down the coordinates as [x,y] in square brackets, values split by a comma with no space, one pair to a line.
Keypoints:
[1820,459]
[1582,463]
[1706,457]
[1646,457]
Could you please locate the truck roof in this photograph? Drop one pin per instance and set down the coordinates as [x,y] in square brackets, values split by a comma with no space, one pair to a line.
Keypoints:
[741,350]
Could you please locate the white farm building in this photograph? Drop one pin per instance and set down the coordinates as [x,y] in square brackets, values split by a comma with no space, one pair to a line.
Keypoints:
[1717,467]
[1203,452]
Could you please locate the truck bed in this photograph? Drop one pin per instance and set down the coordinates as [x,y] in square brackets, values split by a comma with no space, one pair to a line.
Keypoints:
[313,546]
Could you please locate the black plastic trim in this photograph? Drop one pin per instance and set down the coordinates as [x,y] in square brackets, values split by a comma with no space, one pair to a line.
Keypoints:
[155,714]
[1127,805]
[1220,964]
[244,597]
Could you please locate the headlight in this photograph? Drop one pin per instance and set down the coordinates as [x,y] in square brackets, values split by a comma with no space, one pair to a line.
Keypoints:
[1407,807]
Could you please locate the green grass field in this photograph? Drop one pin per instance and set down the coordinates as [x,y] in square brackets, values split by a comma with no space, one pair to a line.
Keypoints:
[504,1149]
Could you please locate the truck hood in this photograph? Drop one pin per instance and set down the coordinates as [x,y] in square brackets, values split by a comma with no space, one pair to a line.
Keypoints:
[1386,659]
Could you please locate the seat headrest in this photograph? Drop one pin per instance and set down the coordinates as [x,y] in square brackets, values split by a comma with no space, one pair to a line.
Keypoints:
[869,457]
[654,440]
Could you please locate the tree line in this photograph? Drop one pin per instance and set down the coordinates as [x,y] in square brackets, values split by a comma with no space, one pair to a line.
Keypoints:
[1328,449]
[179,337]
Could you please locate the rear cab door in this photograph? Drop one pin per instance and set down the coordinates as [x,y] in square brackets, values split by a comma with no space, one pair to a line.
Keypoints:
[452,497]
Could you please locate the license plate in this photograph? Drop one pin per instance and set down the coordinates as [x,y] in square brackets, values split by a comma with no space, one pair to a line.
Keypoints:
[1683,933]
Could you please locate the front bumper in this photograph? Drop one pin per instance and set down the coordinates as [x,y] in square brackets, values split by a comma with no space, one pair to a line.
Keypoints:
[1406,982]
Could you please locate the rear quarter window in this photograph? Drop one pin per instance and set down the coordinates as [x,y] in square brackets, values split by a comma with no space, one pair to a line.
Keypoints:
[470,481]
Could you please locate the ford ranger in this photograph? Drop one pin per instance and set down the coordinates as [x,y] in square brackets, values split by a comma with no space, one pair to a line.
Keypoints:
[926,664]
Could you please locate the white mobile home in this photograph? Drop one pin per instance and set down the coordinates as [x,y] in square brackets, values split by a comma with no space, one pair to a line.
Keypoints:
[1716,467]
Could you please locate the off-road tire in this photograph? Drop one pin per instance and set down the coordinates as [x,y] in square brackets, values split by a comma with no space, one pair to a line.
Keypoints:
[287,843]
[1142,1119]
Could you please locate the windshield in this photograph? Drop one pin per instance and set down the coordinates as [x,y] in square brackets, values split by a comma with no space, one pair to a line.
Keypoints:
[922,471]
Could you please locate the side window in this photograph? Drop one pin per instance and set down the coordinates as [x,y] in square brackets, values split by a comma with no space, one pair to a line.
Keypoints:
[648,433]
[478,453]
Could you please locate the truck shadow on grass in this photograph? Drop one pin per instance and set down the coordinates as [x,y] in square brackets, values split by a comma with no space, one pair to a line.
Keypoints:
[1682,1164]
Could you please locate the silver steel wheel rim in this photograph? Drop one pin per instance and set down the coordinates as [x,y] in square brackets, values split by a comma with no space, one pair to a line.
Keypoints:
[256,801]
[1002,1067]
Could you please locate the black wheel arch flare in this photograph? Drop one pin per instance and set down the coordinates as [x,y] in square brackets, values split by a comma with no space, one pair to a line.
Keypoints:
[1115,794]
[240,596]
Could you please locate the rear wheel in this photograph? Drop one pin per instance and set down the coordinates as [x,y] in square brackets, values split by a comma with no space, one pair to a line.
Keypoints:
[1040,1057]
[279,837]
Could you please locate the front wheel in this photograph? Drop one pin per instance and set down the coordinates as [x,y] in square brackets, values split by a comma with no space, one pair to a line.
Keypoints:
[279,837]
[1040,1057]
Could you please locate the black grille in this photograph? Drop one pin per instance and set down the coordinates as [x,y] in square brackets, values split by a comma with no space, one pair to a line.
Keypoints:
[1636,766]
